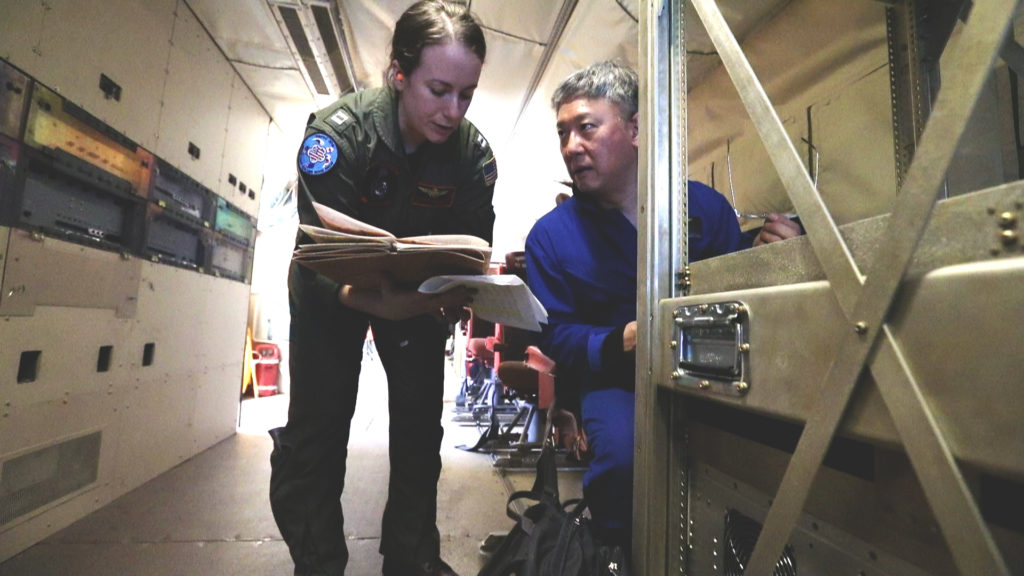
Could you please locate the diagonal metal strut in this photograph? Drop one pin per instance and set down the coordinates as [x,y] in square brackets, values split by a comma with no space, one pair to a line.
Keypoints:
[866,303]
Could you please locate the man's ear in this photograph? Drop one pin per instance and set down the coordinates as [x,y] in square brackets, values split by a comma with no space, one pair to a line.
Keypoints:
[634,127]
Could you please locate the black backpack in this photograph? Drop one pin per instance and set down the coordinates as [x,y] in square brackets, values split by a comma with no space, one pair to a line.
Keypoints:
[552,538]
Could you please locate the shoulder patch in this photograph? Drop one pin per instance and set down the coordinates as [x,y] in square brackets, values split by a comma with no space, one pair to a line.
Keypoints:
[481,141]
[340,118]
[490,170]
[319,154]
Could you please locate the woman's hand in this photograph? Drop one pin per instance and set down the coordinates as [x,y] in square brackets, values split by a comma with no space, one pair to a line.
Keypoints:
[393,302]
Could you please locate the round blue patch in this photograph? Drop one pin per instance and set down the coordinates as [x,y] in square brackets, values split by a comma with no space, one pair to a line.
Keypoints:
[318,155]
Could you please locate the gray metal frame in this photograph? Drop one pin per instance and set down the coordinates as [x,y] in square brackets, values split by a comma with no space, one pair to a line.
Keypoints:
[663,153]
[864,299]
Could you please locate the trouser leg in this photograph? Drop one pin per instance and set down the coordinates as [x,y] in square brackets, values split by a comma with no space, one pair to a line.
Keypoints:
[608,483]
[308,461]
[412,353]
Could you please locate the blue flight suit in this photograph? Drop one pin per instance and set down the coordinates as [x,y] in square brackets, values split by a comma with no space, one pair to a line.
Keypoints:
[581,262]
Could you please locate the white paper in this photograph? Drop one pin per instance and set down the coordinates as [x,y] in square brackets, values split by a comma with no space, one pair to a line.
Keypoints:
[500,298]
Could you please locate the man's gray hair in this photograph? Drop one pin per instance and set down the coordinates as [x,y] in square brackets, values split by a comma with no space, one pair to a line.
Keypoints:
[607,80]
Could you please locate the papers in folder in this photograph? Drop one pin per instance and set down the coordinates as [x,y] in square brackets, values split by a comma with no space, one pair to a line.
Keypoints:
[352,252]
[503,299]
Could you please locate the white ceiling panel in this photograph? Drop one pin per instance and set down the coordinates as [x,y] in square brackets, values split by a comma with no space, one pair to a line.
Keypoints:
[529,20]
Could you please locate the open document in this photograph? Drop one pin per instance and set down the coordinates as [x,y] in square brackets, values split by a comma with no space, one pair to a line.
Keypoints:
[352,252]
[503,299]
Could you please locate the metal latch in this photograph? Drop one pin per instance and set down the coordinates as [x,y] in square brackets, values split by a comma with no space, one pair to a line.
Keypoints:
[711,347]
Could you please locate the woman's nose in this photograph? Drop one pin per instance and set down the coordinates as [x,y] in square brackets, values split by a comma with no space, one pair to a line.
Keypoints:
[453,107]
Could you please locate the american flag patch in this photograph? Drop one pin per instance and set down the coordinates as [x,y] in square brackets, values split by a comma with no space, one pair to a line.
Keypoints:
[490,171]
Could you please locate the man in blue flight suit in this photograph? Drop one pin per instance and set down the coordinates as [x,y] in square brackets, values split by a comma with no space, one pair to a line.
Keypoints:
[582,263]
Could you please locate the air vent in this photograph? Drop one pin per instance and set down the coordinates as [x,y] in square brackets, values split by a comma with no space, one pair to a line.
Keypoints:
[317,41]
[293,23]
[741,534]
[33,480]
[325,25]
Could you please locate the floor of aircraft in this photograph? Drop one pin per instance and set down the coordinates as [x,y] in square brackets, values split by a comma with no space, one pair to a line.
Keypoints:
[210,515]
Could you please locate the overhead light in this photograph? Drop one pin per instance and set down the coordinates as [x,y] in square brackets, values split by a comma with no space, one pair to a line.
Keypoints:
[315,38]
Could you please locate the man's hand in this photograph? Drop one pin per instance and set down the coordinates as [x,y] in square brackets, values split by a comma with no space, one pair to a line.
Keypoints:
[777,227]
[392,302]
[629,337]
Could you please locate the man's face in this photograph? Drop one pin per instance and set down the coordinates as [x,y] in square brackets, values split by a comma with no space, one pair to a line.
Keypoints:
[599,147]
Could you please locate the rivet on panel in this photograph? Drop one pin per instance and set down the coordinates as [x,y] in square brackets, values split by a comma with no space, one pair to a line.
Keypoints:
[1007,219]
[742,387]
[860,327]
[745,347]
[673,344]
[1009,237]
[704,385]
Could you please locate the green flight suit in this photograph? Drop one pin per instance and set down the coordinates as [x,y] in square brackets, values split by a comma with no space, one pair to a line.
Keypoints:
[438,189]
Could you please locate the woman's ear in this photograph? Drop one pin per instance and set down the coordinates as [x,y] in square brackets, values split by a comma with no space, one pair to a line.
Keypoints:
[398,76]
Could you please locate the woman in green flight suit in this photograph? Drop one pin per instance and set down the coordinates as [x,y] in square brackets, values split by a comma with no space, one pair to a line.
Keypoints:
[402,158]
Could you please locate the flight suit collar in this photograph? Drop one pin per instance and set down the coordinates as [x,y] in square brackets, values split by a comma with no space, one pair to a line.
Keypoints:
[385,120]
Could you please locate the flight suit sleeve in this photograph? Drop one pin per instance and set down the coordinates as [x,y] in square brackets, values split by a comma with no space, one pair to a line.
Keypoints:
[328,164]
[334,181]
[719,229]
[473,208]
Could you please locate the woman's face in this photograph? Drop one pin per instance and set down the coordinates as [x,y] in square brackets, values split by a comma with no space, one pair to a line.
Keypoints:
[434,98]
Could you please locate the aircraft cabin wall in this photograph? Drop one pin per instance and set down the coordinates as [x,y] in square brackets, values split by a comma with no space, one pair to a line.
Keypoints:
[839,100]
[131,159]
